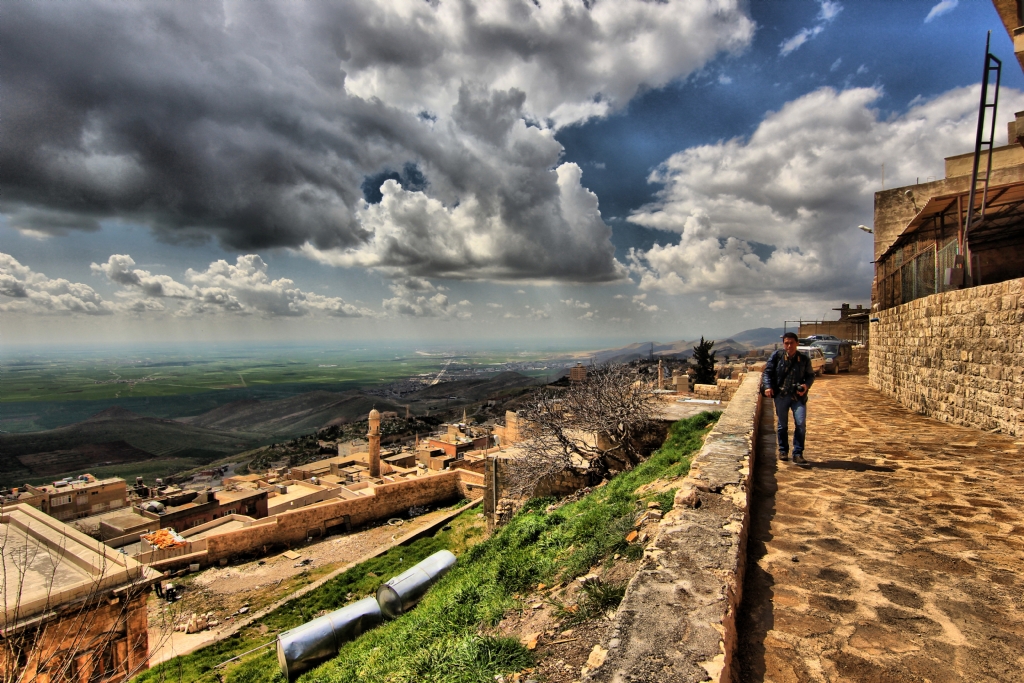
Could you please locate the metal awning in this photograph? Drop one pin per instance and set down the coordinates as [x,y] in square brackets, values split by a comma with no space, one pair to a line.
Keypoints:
[1005,207]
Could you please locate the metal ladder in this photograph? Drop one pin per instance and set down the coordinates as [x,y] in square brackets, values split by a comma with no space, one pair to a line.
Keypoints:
[975,216]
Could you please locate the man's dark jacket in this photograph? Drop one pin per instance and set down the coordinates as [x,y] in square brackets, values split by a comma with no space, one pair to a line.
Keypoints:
[783,378]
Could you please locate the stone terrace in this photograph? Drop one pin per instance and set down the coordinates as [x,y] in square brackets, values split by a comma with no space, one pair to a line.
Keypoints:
[896,555]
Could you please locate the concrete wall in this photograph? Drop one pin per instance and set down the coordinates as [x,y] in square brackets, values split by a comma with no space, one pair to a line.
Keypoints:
[844,329]
[956,356]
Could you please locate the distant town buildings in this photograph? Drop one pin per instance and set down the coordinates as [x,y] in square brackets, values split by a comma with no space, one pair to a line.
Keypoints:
[181,510]
[71,499]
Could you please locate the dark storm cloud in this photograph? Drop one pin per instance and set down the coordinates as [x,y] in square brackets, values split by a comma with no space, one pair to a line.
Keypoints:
[165,113]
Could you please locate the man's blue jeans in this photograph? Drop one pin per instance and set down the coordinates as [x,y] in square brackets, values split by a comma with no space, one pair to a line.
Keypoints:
[783,404]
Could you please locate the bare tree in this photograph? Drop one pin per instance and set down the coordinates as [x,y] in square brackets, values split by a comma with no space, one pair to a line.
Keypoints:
[594,427]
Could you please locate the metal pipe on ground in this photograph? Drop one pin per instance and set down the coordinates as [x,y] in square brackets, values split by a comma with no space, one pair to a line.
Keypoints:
[400,594]
[310,645]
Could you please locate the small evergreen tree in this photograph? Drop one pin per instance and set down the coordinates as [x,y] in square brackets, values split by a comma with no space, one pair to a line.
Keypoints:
[705,359]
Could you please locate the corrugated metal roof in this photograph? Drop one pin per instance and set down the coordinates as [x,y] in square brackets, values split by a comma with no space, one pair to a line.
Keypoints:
[1005,206]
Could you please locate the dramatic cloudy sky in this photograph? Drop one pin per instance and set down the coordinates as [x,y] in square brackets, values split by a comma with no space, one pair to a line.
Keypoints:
[443,169]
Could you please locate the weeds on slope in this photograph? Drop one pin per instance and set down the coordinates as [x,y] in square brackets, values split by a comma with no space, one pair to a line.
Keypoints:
[441,640]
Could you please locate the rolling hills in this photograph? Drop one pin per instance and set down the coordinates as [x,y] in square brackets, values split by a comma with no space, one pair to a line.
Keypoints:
[119,437]
[114,435]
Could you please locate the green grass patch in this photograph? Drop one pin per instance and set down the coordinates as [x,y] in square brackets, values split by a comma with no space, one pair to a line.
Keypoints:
[441,641]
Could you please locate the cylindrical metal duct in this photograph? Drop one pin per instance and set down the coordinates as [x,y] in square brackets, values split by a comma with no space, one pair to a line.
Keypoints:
[306,647]
[401,593]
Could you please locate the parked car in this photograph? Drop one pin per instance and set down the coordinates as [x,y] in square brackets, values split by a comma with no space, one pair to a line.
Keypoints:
[838,355]
[822,337]
[816,356]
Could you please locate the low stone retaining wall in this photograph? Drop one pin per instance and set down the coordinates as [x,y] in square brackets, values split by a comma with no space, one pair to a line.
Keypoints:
[722,390]
[956,356]
[677,621]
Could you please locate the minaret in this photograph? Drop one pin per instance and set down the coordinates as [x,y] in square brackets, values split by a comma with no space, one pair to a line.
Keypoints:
[373,436]
[661,376]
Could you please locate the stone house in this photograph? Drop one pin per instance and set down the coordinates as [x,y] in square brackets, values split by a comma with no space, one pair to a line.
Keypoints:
[77,498]
[947,306]
[74,609]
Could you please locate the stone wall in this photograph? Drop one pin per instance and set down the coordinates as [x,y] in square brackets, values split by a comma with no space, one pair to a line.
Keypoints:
[500,502]
[722,390]
[956,356]
[860,360]
[319,519]
[677,621]
[106,627]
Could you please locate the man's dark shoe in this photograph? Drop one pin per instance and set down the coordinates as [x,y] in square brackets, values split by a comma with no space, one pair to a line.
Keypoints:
[783,456]
[798,459]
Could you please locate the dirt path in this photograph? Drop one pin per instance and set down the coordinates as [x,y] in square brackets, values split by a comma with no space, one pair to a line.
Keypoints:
[897,555]
[258,584]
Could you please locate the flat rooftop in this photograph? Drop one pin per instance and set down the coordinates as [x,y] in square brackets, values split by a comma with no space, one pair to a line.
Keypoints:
[91,524]
[48,563]
[77,484]
[218,526]
[225,497]
[127,519]
[323,464]
[296,490]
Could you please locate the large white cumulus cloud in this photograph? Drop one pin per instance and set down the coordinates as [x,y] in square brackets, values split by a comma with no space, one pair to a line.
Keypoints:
[23,290]
[259,124]
[778,212]
[243,288]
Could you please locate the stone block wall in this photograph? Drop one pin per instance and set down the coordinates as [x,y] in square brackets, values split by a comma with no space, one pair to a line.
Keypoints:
[860,361]
[388,500]
[722,390]
[956,356]
[677,621]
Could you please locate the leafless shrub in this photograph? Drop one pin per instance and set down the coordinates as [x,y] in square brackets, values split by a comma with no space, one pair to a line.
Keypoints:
[594,427]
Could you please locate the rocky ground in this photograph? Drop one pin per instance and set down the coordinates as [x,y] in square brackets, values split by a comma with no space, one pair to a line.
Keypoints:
[547,624]
[896,555]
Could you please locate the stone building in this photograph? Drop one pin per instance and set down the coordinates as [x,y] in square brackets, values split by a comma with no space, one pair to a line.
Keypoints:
[76,498]
[577,373]
[947,302]
[74,609]
[189,509]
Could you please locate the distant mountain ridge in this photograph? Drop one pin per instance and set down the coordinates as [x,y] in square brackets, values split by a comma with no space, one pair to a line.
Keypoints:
[739,343]
[290,416]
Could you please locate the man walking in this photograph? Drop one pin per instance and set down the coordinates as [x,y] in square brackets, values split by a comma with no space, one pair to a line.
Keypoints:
[786,379]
